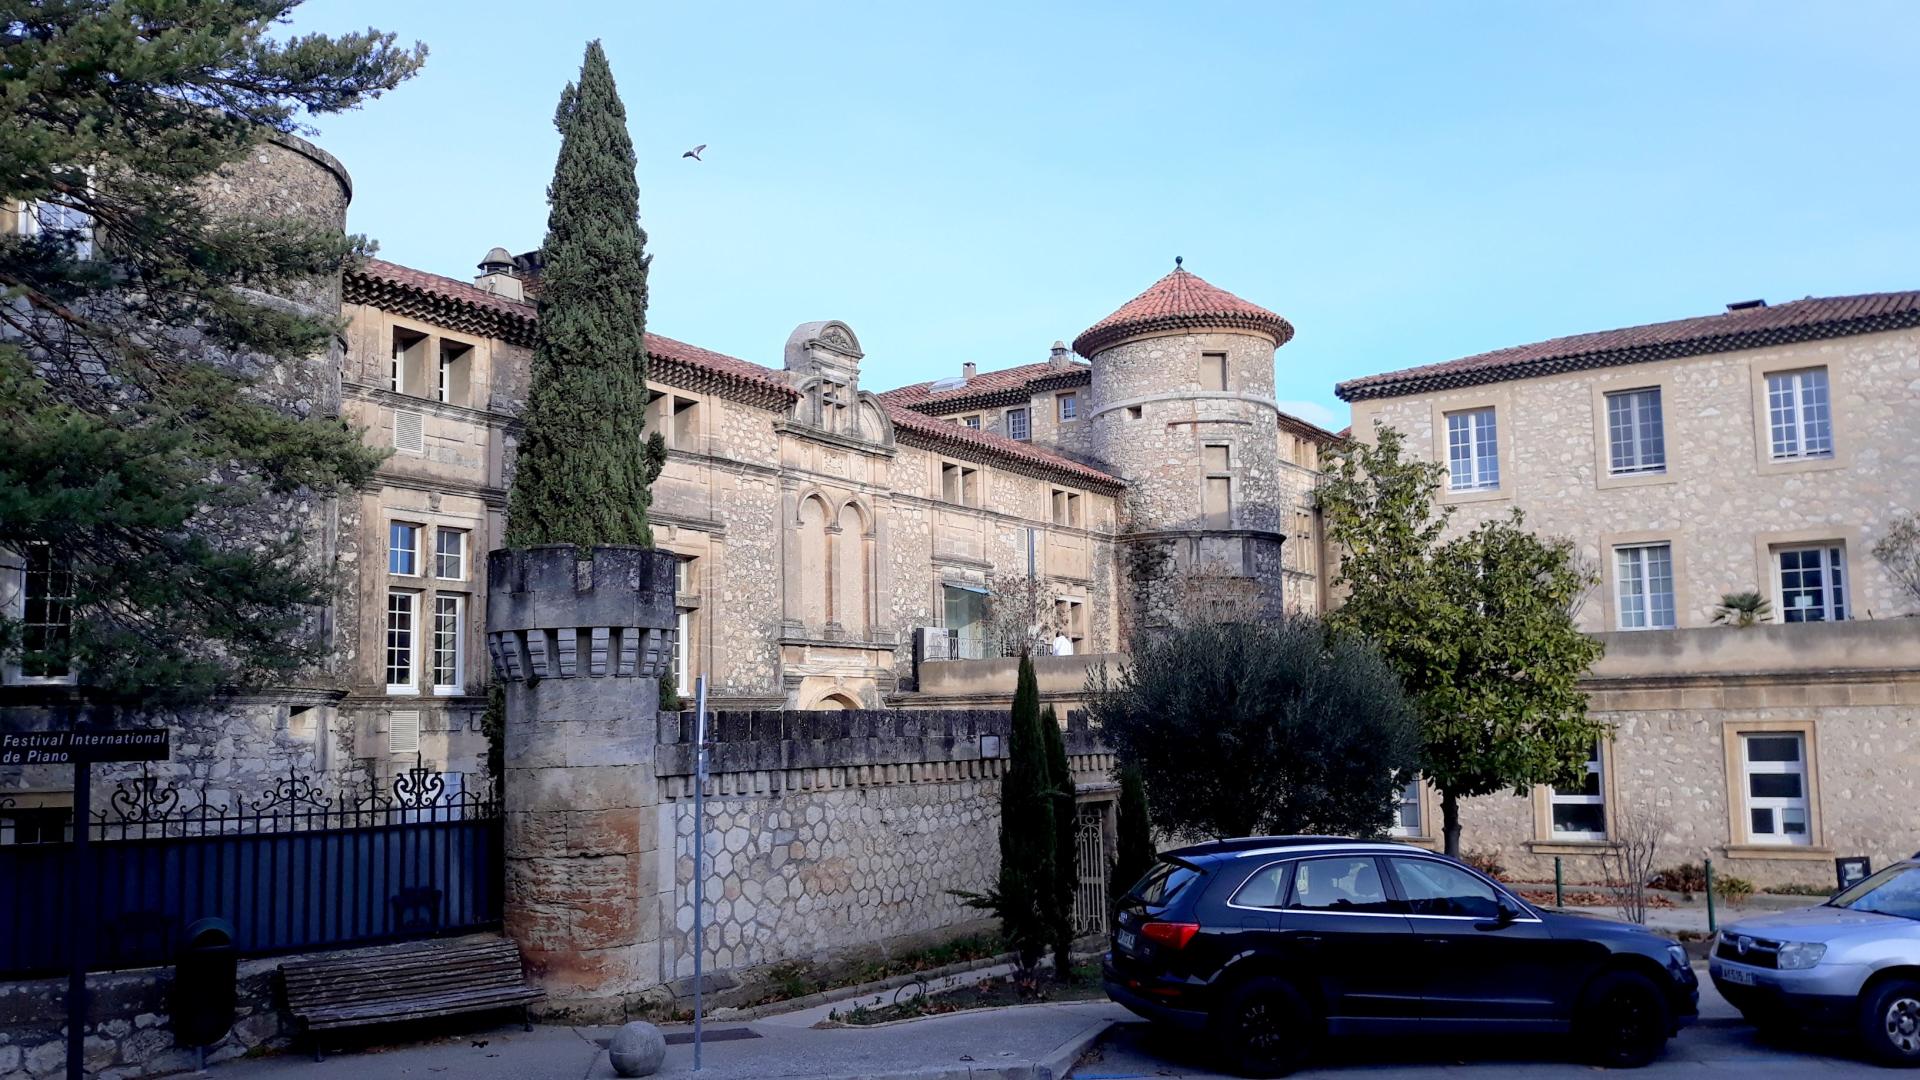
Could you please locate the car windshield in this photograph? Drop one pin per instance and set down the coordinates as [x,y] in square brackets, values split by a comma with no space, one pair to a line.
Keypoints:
[1163,883]
[1893,891]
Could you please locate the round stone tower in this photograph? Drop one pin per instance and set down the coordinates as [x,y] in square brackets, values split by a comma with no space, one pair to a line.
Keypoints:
[1182,408]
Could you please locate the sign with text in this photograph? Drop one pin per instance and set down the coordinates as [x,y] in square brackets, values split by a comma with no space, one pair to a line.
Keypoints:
[77,747]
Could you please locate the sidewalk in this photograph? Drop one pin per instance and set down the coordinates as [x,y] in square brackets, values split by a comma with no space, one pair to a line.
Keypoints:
[1027,1042]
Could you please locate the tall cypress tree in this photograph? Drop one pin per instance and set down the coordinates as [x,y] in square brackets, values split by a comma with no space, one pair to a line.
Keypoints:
[1066,868]
[1026,829]
[585,465]
[1135,841]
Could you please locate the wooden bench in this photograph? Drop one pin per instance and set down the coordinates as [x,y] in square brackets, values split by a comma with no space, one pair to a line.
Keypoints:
[407,982]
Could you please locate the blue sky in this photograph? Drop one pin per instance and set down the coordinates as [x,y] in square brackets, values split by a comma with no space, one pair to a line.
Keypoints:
[1405,182]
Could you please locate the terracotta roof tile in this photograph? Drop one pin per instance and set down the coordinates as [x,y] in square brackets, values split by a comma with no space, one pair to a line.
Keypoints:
[379,282]
[513,320]
[1181,301]
[1747,328]
[917,428]
[987,386]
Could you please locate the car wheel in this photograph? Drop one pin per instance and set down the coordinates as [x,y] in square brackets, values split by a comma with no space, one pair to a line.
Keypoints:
[1266,1028]
[1622,1022]
[1890,1022]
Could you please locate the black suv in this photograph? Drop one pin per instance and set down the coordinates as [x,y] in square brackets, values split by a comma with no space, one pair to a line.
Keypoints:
[1266,944]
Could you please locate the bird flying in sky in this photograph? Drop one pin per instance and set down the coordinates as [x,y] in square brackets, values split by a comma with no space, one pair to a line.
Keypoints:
[695,152]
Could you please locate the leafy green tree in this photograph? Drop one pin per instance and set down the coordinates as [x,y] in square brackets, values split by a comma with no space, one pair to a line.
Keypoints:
[585,466]
[1134,850]
[1479,627]
[1243,729]
[1066,853]
[144,464]
[1021,897]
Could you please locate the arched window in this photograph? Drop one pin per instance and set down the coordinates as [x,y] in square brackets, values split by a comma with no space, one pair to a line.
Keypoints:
[850,556]
[813,573]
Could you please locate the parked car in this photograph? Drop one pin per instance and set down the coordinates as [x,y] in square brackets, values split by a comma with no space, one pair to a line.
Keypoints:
[1852,963]
[1264,945]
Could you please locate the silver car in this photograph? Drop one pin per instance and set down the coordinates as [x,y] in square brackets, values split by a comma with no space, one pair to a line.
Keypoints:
[1851,963]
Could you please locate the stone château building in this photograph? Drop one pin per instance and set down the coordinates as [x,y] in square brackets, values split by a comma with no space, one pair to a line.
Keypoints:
[826,532]
[1763,450]
[830,536]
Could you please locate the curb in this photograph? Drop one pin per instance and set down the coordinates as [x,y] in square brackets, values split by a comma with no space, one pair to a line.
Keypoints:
[845,993]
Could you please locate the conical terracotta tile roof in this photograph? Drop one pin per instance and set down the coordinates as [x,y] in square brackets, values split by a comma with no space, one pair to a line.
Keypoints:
[1181,301]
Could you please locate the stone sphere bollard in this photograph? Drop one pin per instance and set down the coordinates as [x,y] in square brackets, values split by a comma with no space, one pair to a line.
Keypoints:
[637,1049]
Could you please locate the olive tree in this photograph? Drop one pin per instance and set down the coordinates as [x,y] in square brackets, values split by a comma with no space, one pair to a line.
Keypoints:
[1241,729]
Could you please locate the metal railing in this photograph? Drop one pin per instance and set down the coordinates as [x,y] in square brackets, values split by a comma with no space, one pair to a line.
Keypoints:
[297,868]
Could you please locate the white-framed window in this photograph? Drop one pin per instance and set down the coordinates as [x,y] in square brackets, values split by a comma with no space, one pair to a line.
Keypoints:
[971,422]
[1017,426]
[1643,586]
[45,609]
[397,374]
[1636,432]
[450,554]
[403,548]
[72,224]
[1579,812]
[1069,404]
[1406,812]
[403,644]
[1773,779]
[682,649]
[1798,414]
[449,660]
[1473,451]
[1813,583]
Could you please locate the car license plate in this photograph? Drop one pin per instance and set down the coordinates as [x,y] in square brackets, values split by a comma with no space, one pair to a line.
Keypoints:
[1124,939]
[1736,976]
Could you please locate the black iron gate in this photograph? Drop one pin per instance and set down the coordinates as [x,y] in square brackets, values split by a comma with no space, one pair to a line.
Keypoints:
[297,868]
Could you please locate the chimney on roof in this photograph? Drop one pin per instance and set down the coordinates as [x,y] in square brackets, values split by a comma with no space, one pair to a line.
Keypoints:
[497,275]
[969,369]
[1746,305]
[1059,357]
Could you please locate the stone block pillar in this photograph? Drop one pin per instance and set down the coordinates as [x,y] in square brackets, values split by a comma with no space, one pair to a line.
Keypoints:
[580,640]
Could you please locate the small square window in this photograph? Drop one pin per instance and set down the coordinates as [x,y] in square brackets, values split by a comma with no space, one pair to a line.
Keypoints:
[1135,412]
[1213,371]
[403,548]
[1069,406]
[450,554]
[1813,585]
[1017,425]
[972,423]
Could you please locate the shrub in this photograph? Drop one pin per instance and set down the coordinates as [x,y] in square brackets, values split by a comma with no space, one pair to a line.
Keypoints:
[1259,728]
[1485,860]
[1731,887]
[1685,878]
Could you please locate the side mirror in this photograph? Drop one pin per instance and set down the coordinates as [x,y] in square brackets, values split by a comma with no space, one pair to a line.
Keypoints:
[1505,915]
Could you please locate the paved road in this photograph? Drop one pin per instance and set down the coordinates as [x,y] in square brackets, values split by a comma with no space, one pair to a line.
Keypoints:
[1722,1049]
[1720,1044]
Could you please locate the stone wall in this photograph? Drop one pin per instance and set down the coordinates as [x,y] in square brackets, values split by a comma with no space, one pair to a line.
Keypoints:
[835,833]
[1679,701]
[129,1029]
[1720,503]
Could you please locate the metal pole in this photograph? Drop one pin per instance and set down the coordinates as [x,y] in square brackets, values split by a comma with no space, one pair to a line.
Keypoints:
[1711,926]
[699,853]
[1559,884]
[80,926]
